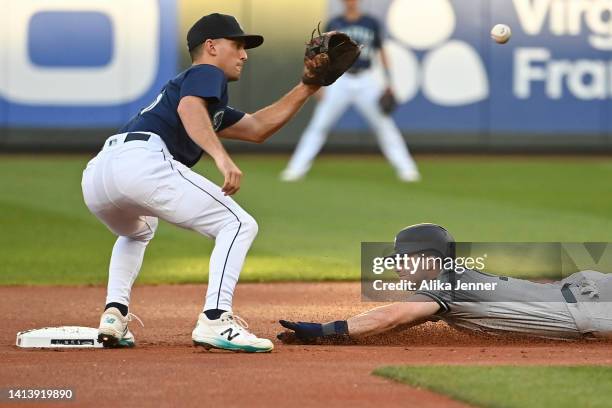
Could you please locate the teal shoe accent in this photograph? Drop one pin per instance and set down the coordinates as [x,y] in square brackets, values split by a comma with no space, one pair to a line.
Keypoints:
[125,343]
[223,344]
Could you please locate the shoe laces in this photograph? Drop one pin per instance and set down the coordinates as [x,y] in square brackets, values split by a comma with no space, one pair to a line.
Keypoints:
[132,316]
[239,323]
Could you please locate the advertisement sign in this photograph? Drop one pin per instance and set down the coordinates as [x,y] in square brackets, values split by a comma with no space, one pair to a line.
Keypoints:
[83,63]
[554,76]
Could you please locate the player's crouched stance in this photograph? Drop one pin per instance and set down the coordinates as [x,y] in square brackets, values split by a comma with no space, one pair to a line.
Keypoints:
[143,173]
[573,308]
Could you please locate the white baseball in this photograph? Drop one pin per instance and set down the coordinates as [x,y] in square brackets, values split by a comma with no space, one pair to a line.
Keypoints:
[501,33]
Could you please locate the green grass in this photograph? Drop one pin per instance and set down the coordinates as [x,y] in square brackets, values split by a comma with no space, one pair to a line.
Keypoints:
[309,230]
[512,386]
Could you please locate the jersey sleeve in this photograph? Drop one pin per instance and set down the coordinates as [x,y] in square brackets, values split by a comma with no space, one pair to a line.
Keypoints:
[230,117]
[205,81]
[438,297]
[442,296]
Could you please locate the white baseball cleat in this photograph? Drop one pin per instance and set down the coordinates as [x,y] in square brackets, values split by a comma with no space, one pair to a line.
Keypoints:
[113,331]
[291,175]
[228,332]
[411,176]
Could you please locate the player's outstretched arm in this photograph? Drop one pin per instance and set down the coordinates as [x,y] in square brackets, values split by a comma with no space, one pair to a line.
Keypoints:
[373,321]
[384,318]
[259,126]
[194,116]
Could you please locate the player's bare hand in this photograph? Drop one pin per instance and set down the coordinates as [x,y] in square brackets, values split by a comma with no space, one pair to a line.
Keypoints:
[232,175]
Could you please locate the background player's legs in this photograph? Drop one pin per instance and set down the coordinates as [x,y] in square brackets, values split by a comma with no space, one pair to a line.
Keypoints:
[389,137]
[336,99]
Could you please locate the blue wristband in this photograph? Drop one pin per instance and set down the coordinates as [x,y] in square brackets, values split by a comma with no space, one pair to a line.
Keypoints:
[339,327]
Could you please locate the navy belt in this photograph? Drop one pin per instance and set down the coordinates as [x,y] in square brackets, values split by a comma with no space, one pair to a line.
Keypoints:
[137,136]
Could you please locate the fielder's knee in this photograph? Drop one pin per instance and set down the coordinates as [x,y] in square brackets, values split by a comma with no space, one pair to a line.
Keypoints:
[146,232]
[249,226]
[242,224]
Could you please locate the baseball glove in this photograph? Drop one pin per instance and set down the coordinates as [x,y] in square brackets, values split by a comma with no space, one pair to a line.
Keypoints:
[387,102]
[328,56]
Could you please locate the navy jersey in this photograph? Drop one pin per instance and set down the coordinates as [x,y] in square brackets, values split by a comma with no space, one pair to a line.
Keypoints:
[161,117]
[365,31]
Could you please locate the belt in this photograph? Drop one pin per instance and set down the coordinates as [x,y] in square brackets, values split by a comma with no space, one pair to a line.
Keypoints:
[127,137]
[137,136]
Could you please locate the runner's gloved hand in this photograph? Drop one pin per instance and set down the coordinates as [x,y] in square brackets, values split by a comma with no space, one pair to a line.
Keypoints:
[302,330]
[305,332]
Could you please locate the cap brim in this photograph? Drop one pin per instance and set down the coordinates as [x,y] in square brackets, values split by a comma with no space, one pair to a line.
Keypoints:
[250,40]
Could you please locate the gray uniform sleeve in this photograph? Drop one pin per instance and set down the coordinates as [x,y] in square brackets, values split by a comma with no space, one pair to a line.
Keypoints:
[437,297]
[443,289]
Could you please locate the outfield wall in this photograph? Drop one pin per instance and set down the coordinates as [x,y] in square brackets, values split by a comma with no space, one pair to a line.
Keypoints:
[73,71]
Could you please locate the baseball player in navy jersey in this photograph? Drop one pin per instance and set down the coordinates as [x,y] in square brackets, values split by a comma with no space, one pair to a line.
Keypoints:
[579,306]
[143,174]
[360,88]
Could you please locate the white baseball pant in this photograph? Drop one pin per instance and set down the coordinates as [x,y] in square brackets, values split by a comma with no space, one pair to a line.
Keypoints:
[363,91]
[129,185]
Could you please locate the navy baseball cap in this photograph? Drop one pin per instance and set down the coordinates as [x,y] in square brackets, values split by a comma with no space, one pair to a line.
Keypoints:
[217,25]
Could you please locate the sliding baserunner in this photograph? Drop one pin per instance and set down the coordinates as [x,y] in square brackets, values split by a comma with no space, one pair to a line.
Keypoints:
[579,306]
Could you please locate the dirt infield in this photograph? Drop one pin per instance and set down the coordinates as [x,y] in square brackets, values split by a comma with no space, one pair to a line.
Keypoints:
[165,370]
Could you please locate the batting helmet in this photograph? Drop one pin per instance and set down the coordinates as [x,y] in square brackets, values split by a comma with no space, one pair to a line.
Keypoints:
[425,237]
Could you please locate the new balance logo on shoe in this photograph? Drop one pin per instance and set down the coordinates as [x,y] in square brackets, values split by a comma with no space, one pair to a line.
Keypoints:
[230,335]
